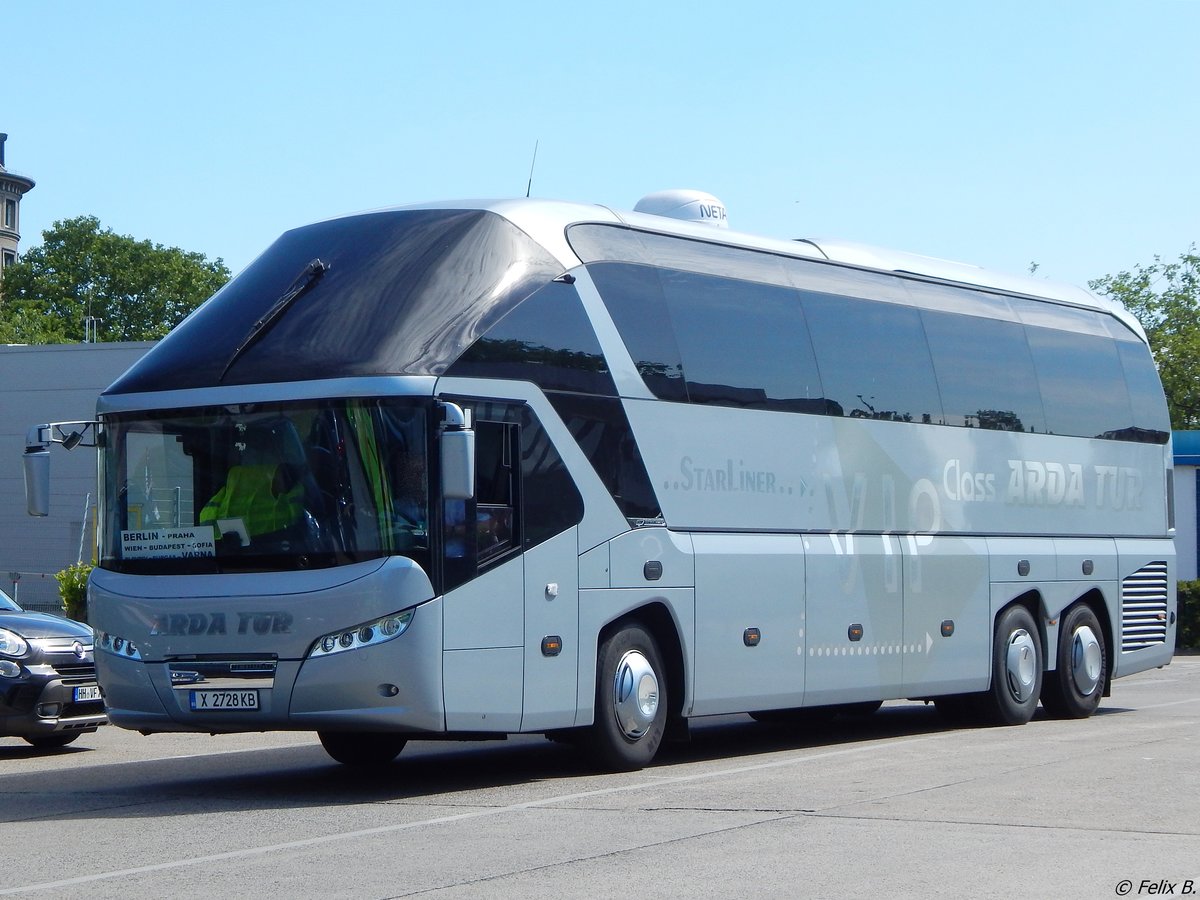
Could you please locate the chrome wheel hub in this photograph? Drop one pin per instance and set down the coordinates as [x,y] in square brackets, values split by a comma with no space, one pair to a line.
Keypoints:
[1021,665]
[635,694]
[1086,661]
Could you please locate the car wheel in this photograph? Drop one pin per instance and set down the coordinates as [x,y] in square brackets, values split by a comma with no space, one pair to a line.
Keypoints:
[53,741]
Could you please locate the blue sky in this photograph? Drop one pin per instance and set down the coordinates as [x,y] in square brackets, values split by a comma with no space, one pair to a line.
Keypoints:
[1065,132]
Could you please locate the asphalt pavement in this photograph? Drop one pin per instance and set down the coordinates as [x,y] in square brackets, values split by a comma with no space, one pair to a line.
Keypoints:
[896,804]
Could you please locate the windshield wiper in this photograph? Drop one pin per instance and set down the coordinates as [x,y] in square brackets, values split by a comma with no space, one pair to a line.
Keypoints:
[308,276]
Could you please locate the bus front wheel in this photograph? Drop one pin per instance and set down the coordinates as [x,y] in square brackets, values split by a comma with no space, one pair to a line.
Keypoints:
[631,701]
[357,748]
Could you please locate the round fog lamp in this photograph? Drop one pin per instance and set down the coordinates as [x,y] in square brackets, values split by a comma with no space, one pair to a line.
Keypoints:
[9,669]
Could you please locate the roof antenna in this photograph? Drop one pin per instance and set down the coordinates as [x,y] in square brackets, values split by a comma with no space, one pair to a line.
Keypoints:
[529,187]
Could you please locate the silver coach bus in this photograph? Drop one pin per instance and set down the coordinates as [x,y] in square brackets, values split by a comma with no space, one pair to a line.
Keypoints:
[467,470]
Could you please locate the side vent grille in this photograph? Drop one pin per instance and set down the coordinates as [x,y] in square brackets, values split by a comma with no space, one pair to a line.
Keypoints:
[1144,607]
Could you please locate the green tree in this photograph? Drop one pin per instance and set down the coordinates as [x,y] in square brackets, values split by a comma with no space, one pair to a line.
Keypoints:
[139,290]
[1165,297]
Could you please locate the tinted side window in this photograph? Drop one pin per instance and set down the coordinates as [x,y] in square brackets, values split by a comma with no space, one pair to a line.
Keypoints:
[548,340]
[550,501]
[1082,382]
[985,373]
[497,521]
[602,430]
[523,493]
[606,243]
[1151,421]
[873,359]
[635,301]
[743,343]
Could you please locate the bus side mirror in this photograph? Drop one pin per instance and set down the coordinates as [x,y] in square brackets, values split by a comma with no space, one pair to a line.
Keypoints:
[37,474]
[458,465]
[37,457]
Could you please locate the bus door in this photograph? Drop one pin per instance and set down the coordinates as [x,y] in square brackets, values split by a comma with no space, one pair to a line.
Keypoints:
[510,565]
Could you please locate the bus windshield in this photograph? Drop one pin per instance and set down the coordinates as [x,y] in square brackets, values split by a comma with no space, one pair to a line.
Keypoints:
[265,486]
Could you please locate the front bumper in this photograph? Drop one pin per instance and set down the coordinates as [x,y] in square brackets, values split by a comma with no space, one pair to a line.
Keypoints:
[393,686]
[37,705]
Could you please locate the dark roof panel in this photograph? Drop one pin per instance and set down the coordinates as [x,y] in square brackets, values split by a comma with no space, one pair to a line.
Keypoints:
[405,293]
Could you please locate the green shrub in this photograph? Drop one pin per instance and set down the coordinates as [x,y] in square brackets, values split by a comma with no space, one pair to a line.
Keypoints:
[72,587]
[1188,635]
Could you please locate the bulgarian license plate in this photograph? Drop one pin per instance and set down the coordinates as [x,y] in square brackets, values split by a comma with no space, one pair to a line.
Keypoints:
[86,692]
[220,700]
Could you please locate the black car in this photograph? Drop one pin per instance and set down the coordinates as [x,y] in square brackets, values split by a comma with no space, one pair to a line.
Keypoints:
[48,690]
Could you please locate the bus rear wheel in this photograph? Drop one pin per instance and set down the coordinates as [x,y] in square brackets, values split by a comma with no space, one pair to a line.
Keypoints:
[1073,690]
[631,701]
[1016,670]
[358,748]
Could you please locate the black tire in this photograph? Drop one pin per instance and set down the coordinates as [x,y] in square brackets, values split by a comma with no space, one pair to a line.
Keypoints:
[1073,690]
[358,748]
[1016,670]
[631,701]
[54,741]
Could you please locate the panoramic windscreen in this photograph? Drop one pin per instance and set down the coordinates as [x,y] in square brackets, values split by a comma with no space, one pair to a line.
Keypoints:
[265,487]
[401,292]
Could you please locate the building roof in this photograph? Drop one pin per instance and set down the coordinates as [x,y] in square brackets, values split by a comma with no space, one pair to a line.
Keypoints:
[1187,447]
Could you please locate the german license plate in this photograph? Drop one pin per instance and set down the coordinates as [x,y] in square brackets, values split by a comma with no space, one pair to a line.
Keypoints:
[222,700]
[86,692]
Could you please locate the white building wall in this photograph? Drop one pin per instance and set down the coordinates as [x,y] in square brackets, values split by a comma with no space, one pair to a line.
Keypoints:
[51,383]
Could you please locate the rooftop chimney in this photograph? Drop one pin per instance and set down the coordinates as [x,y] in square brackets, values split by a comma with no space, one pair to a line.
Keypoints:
[3,138]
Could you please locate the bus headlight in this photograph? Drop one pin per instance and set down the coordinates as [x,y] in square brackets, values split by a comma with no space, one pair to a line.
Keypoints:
[366,635]
[118,646]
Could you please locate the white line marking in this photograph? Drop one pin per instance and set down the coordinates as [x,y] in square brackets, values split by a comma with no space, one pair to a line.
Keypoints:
[154,759]
[1172,703]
